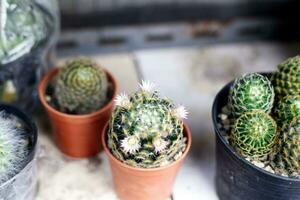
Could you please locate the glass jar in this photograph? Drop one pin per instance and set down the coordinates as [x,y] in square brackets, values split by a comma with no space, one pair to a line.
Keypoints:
[28,34]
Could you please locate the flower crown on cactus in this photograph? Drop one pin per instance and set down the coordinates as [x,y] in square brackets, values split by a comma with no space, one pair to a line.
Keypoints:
[146,130]
[286,80]
[81,87]
[251,92]
[13,146]
[254,134]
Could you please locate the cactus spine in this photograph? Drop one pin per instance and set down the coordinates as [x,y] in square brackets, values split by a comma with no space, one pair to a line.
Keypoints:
[251,92]
[287,108]
[254,135]
[81,87]
[13,147]
[286,80]
[290,149]
[146,130]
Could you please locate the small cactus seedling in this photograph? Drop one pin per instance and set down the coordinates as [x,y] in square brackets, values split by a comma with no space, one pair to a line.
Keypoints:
[81,87]
[254,135]
[146,130]
[287,108]
[13,147]
[290,149]
[286,80]
[251,92]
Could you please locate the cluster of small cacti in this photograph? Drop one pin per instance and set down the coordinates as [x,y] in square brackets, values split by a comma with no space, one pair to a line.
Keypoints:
[81,87]
[22,25]
[146,130]
[13,146]
[255,134]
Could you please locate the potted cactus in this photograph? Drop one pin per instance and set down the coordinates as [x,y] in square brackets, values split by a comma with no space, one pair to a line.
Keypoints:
[146,141]
[78,99]
[256,120]
[18,138]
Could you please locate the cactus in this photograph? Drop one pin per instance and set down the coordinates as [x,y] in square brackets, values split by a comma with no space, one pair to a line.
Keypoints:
[286,80]
[288,158]
[81,87]
[254,135]
[146,130]
[13,147]
[251,92]
[22,26]
[287,108]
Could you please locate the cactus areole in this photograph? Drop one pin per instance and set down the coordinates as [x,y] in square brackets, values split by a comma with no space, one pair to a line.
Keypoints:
[146,130]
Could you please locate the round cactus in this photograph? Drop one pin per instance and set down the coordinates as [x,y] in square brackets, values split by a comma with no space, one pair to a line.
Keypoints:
[254,135]
[13,147]
[286,80]
[287,108]
[290,149]
[81,87]
[251,92]
[146,130]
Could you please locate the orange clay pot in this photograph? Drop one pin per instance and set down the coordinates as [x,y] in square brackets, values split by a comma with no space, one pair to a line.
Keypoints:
[144,184]
[77,136]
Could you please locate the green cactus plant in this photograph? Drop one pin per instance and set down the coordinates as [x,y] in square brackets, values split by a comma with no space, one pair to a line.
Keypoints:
[254,135]
[13,147]
[22,26]
[286,80]
[81,87]
[288,158]
[288,108]
[146,130]
[251,92]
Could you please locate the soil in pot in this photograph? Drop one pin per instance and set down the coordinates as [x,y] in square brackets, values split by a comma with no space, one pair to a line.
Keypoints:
[133,183]
[77,136]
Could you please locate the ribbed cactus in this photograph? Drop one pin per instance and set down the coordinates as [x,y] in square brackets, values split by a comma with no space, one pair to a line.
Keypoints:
[22,26]
[254,135]
[251,92]
[290,149]
[286,80]
[146,130]
[13,147]
[287,108]
[81,87]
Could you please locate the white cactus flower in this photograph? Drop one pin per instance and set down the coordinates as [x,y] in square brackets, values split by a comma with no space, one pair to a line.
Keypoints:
[131,144]
[147,86]
[180,112]
[122,100]
[159,144]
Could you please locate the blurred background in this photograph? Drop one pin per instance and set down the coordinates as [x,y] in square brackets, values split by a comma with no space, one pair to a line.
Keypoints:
[190,49]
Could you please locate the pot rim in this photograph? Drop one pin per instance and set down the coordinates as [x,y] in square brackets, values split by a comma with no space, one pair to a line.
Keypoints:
[33,133]
[182,157]
[51,74]
[230,148]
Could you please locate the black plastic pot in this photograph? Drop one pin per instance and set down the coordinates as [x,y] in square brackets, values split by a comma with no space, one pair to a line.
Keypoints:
[22,186]
[236,178]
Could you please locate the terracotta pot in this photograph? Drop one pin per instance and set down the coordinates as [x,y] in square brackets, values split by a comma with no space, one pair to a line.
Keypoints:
[144,184]
[77,136]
